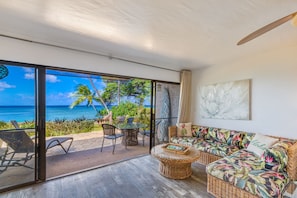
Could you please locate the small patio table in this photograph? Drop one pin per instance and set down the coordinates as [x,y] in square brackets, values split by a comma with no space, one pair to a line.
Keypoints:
[130,131]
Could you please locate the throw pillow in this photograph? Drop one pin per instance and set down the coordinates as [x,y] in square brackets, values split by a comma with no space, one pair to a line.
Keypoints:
[276,158]
[199,131]
[184,129]
[260,143]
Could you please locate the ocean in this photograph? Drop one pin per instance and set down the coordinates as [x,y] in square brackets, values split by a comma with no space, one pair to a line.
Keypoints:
[27,113]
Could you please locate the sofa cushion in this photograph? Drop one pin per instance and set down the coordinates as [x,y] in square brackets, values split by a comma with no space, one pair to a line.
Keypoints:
[260,143]
[214,147]
[184,129]
[285,143]
[260,182]
[235,138]
[247,138]
[247,159]
[199,131]
[276,157]
[212,133]
[223,135]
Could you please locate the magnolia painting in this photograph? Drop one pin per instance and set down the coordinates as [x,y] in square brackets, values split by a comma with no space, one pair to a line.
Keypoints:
[230,100]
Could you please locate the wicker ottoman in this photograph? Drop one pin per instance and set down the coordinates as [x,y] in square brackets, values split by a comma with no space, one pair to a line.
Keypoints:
[172,165]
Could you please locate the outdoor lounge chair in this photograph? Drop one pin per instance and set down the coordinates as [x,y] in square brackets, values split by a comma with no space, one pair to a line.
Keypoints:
[57,141]
[52,142]
[21,148]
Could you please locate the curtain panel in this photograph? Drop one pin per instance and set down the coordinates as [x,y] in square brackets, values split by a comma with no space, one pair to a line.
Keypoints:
[184,110]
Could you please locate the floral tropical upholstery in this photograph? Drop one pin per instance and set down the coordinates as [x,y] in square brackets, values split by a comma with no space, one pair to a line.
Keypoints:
[187,141]
[220,142]
[215,147]
[276,157]
[263,176]
[246,171]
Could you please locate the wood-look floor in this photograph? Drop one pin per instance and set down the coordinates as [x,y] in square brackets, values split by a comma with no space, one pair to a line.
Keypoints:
[137,177]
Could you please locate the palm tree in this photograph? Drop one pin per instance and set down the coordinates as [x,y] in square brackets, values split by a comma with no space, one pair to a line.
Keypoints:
[99,98]
[82,94]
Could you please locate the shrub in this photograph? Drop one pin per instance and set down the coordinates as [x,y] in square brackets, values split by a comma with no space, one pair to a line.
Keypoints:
[3,125]
[65,127]
[128,109]
[28,124]
[144,116]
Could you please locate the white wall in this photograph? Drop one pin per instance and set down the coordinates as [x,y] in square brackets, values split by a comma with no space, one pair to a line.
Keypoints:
[274,92]
[26,52]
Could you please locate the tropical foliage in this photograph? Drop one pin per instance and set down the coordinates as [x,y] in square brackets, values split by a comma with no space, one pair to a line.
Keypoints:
[82,94]
[111,93]
[60,127]
[135,90]
[127,109]
[138,89]
[3,125]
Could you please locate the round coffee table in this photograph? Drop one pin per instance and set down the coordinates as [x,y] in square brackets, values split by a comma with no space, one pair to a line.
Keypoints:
[172,165]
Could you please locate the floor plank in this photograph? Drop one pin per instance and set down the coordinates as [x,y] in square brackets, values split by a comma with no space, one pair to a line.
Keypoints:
[137,177]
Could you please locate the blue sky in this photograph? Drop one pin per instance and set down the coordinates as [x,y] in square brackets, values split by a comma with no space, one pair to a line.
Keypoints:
[18,87]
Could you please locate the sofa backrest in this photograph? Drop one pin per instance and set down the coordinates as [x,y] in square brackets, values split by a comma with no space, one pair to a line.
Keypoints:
[292,156]
[231,137]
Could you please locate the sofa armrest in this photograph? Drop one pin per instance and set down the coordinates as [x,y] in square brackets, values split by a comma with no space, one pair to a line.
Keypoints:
[292,165]
[172,132]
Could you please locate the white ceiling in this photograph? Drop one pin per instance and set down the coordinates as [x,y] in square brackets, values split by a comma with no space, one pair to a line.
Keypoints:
[175,34]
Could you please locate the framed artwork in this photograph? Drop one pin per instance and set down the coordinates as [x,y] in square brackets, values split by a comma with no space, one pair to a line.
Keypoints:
[229,100]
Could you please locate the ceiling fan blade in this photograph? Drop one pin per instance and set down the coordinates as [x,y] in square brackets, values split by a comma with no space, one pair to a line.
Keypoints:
[266,28]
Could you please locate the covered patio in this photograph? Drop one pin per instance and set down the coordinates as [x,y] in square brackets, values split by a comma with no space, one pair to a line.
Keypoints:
[84,154]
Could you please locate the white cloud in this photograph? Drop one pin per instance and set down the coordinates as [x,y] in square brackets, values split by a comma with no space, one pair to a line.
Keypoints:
[29,76]
[59,98]
[25,97]
[70,94]
[52,78]
[49,78]
[4,85]
[28,70]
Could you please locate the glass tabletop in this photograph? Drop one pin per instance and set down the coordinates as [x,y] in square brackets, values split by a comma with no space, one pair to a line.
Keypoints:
[130,125]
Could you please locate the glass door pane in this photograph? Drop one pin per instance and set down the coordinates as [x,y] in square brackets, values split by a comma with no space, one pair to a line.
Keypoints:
[166,109]
[17,126]
[77,104]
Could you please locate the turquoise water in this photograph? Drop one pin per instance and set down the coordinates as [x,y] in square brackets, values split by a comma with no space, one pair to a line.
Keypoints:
[27,113]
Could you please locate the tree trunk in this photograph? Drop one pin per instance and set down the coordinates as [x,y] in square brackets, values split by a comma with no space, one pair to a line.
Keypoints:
[98,94]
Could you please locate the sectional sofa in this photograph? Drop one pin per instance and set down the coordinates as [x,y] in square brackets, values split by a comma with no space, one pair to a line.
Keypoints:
[234,169]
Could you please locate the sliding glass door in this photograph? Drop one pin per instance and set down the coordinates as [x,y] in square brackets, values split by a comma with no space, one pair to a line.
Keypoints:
[34,102]
[165,102]
[17,125]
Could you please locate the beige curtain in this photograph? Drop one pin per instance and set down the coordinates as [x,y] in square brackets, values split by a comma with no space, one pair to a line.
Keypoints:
[184,109]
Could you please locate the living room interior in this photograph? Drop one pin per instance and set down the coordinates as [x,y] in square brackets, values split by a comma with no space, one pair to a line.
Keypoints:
[158,39]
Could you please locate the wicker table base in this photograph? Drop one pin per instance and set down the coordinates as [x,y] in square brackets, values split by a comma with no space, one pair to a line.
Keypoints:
[175,166]
[175,171]
[130,137]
